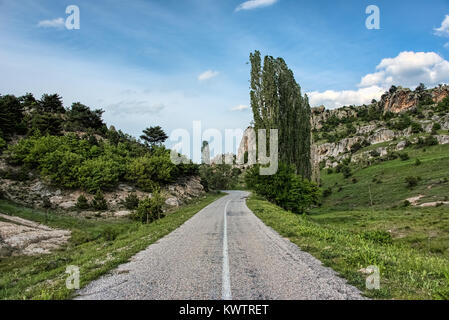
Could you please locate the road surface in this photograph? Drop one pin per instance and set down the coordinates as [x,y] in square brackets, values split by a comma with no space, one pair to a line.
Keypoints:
[223,252]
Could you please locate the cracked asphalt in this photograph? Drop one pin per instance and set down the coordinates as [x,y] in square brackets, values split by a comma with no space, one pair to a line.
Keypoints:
[223,252]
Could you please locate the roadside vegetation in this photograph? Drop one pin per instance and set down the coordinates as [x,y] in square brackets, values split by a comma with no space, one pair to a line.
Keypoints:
[406,272]
[96,246]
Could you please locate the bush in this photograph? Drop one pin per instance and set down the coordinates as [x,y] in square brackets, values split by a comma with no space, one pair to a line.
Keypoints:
[412,181]
[416,127]
[285,188]
[436,126]
[147,171]
[218,177]
[330,171]
[150,209]
[99,202]
[381,237]
[374,154]
[100,173]
[131,201]
[427,142]
[404,156]
[327,192]
[417,162]
[82,203]
[346,171]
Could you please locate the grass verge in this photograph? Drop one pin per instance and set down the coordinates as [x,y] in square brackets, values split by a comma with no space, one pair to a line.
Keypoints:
[96,247]
[406,273]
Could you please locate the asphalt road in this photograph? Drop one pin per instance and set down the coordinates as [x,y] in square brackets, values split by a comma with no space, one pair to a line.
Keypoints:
[223,252]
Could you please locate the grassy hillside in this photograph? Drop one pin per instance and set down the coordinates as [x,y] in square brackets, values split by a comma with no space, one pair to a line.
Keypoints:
[386,181]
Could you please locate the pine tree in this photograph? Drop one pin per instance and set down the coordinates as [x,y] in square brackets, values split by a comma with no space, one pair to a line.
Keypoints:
[154,136]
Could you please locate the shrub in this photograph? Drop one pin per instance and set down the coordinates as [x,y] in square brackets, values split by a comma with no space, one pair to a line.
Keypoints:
[327,192]
[411,181]
[82,203]
[436,126]
[417,162]
[218,177]
[381,237]
[131,201]
[150,209]
[2,143]
[110,234]
[99,202]
[374,154]
[147,171]
[416,127]
[330,171]
[346,171]
[100,173]
[404,156]
[284,188]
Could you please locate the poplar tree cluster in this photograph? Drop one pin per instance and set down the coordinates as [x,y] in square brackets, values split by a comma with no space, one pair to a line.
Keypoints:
[277,103]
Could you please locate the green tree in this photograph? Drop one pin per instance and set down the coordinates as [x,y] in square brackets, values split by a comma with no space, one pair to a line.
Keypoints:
[51,103]
[277,103]
[154,136]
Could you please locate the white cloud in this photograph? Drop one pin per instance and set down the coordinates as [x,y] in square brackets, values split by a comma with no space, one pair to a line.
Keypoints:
[55,23]
[253,4]
[446,45]
[409,69]
[443,31]
[206,75]
[334,99]
[240,107]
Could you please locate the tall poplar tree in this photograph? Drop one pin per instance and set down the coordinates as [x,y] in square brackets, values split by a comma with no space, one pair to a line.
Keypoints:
[277,103]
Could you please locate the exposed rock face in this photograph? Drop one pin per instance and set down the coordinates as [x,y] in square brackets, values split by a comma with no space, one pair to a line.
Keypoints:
[23,237]
[247,144]
[32,193]
[439,93]
[320,115]
[400,100]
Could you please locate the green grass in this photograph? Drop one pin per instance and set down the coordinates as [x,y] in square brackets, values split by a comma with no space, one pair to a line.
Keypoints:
[406,272]
[386,181]
[96,247]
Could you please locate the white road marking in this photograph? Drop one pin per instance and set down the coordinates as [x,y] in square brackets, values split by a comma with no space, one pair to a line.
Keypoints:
[226,280]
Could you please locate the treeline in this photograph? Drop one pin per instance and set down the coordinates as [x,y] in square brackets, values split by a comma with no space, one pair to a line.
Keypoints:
[73,148]
[277,103]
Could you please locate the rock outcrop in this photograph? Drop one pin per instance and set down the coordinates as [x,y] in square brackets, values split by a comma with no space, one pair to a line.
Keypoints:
[33,193]
[23,237]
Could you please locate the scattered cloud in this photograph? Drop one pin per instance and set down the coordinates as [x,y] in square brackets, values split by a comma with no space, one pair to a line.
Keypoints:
[446,45]
[135,107]
[253,4]
[443,31]
[334,99]
[209,74]
[55,23]
[409,69]
[240,107]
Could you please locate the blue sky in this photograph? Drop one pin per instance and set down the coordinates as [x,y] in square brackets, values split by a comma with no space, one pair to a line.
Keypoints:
[172,62]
